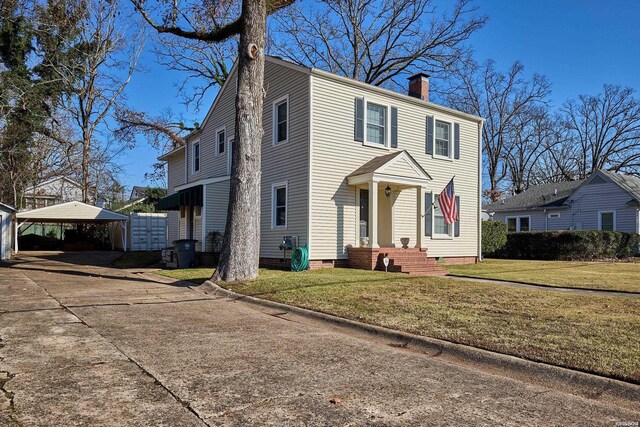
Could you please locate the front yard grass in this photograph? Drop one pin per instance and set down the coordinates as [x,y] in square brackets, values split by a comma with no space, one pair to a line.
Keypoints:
[591,333]
[612,276]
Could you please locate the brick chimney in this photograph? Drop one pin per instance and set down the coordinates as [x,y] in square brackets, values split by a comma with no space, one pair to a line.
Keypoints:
[419,86]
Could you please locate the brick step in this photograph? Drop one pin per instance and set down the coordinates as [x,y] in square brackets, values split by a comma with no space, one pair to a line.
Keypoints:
[406,268]
[406,257]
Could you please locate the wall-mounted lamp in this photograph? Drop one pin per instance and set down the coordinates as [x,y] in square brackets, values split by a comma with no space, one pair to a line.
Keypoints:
[387,191]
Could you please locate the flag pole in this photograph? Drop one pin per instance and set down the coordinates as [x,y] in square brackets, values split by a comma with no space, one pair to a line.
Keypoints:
[434,203]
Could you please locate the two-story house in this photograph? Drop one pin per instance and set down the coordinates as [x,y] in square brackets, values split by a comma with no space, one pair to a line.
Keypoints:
[352,170]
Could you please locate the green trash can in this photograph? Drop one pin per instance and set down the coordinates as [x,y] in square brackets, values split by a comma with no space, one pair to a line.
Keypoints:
[185,252]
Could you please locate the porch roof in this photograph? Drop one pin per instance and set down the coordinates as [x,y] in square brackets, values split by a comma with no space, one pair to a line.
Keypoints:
[399,167]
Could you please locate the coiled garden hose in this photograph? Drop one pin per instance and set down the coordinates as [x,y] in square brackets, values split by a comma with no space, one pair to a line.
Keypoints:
[300,259]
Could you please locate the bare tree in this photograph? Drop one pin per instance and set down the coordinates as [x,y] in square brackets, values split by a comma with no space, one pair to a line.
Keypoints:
[106,53]
[606,129]
[503,99]
[162,132]
[205,64]
[375,41]
[241,245]
[532,135]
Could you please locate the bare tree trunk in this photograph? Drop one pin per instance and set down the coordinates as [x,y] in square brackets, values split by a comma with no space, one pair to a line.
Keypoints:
[241,246]
[86,147]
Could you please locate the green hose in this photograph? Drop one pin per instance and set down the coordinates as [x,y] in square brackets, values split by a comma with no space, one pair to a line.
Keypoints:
[300,259]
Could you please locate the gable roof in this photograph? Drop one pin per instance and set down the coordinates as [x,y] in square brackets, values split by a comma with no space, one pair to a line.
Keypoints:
[390,167]
[71,212]
[629,183]
[537,197]
[137,192]
[54,179]
[8,208]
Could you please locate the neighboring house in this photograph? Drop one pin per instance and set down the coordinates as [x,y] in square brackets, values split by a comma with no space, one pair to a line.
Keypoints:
[56,190]
[137,192]
[604,201]
[6,230]
[348,168]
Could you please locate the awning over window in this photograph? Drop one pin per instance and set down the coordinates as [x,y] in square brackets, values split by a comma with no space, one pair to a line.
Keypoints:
[189,197]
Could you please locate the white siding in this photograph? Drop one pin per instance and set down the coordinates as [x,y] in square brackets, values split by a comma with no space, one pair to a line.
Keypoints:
[589,199]
[173,226]
[284,162]
[217,201]
[336,155]
[5,234]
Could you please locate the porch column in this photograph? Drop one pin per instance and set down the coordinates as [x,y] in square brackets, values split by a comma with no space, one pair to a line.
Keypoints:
[373,214]
[420,240]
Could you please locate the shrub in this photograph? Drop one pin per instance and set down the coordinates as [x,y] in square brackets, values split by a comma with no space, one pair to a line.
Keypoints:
[583,245]
[494,237]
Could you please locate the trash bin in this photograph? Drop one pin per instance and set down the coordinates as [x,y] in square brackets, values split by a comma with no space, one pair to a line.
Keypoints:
[185,252]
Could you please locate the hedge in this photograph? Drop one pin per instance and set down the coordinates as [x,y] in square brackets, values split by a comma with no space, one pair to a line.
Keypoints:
[494,237]
[583,245]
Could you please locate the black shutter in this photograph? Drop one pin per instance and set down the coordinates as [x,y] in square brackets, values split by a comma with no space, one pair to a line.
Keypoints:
[358,133]
[428,214]
[456,140]
[394,127]
[456,232]
[429,145]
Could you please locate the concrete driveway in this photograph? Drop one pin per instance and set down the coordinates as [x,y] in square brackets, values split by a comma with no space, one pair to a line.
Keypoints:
[86,344]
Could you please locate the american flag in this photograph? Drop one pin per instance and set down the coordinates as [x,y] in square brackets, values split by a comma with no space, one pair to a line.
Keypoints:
[448,205]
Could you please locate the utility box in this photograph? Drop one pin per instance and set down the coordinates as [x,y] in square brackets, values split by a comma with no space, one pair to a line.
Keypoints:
[289,243]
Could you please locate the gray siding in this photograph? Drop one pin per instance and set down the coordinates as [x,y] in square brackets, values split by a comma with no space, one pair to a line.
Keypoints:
[216,204]
[173,224]
[537,219]
[589,199]
[175,171]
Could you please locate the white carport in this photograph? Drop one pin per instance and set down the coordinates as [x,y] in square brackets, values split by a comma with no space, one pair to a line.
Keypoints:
[72,213]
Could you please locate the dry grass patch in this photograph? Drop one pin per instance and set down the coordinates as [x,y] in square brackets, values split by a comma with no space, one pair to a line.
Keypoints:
[590,333]
[613,276]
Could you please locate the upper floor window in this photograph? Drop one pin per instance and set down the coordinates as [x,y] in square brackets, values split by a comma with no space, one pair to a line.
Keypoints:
[220,141]
[196,156]
[607,221]
[376,124]
[281,120]
[443,139]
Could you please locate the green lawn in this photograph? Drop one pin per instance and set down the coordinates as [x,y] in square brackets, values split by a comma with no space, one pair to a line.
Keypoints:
[617,276]
[592,333]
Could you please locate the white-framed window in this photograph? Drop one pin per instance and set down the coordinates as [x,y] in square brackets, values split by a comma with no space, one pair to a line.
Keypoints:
[376,120]
[196,156]
[281,120]
[221,141]
[607,220]
[279,204]
[442,145]
[440,227]
[518,223]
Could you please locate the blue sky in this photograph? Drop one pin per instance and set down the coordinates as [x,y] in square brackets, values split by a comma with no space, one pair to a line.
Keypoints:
[578,44]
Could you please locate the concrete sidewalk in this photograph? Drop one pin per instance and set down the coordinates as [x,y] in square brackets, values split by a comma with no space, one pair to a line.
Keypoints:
[91,345]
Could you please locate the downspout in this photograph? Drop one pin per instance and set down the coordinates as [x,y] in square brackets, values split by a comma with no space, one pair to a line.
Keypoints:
[480,124]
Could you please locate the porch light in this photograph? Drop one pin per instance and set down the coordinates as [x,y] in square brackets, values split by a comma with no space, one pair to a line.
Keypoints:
[387,191]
